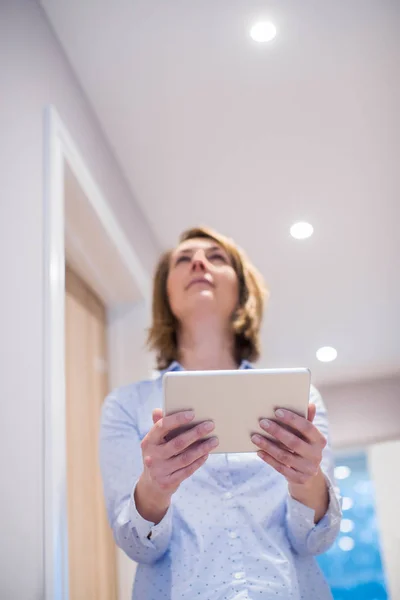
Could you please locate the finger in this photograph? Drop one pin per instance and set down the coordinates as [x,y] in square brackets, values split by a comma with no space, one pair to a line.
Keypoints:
[288,439]
[184,440]
[191,454]
[300,424]
[312,411]
[157,415]
[180,475]
[291,475]
[286,457]
[167,424]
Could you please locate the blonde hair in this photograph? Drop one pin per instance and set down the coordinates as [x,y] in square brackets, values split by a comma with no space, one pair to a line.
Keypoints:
[246,320]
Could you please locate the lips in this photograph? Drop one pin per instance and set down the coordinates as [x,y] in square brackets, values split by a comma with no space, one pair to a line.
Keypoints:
[199,280]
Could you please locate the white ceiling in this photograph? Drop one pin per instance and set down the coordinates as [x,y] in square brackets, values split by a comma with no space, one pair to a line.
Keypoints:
[210,127]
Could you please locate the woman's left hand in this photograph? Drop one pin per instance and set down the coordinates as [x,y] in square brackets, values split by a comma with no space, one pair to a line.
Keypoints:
[300,463]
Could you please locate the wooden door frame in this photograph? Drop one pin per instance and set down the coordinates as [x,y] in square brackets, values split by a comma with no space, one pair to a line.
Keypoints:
[59,148]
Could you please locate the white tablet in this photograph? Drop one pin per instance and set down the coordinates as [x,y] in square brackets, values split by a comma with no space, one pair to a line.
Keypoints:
[236,400]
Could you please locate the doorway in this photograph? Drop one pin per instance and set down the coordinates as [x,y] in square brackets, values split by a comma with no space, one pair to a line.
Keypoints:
[104,273]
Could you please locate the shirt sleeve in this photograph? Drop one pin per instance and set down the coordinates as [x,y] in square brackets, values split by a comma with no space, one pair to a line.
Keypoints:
[121,466]
[306,537]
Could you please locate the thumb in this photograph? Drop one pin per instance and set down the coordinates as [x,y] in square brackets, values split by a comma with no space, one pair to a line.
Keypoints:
[157,415]
[312,409]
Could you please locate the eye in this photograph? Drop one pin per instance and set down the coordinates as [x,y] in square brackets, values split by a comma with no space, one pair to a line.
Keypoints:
[182,258]
[216,257]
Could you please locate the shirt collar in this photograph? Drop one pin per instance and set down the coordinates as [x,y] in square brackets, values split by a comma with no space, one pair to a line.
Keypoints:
[176,366]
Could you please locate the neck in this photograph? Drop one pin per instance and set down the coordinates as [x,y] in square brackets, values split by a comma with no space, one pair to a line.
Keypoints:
[206,345]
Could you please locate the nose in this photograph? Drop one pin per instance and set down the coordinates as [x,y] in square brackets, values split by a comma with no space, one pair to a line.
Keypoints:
[199,261]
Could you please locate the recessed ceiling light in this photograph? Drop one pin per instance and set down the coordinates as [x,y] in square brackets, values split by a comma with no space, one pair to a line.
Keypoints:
[342,472]
[263,31]
[301,231]
[326,354]
[346,543]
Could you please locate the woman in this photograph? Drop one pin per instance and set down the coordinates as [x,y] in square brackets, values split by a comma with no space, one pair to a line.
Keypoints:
[234,527]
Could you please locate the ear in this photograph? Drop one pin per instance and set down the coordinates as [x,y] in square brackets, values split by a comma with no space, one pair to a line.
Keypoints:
[312,409]
[157,415]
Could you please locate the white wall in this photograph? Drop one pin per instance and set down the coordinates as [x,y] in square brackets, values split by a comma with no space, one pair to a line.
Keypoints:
[363,412]
[34,73]
[384,460]
[129,358]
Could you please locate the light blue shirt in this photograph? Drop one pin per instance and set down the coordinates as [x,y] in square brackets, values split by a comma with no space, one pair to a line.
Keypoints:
[232,532]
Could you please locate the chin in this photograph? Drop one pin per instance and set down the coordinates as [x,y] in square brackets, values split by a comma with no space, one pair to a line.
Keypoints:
[201,305]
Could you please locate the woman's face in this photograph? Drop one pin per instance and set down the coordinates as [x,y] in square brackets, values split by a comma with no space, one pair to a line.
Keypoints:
[202,281]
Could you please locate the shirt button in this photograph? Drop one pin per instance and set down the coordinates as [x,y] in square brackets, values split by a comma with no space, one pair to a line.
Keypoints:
[233,535]
[239,575]
[228,495]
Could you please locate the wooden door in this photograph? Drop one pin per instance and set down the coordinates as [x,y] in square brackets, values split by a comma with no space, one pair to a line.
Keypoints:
[91,549]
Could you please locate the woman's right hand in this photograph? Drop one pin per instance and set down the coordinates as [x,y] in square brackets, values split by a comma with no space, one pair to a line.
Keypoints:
[167,464]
